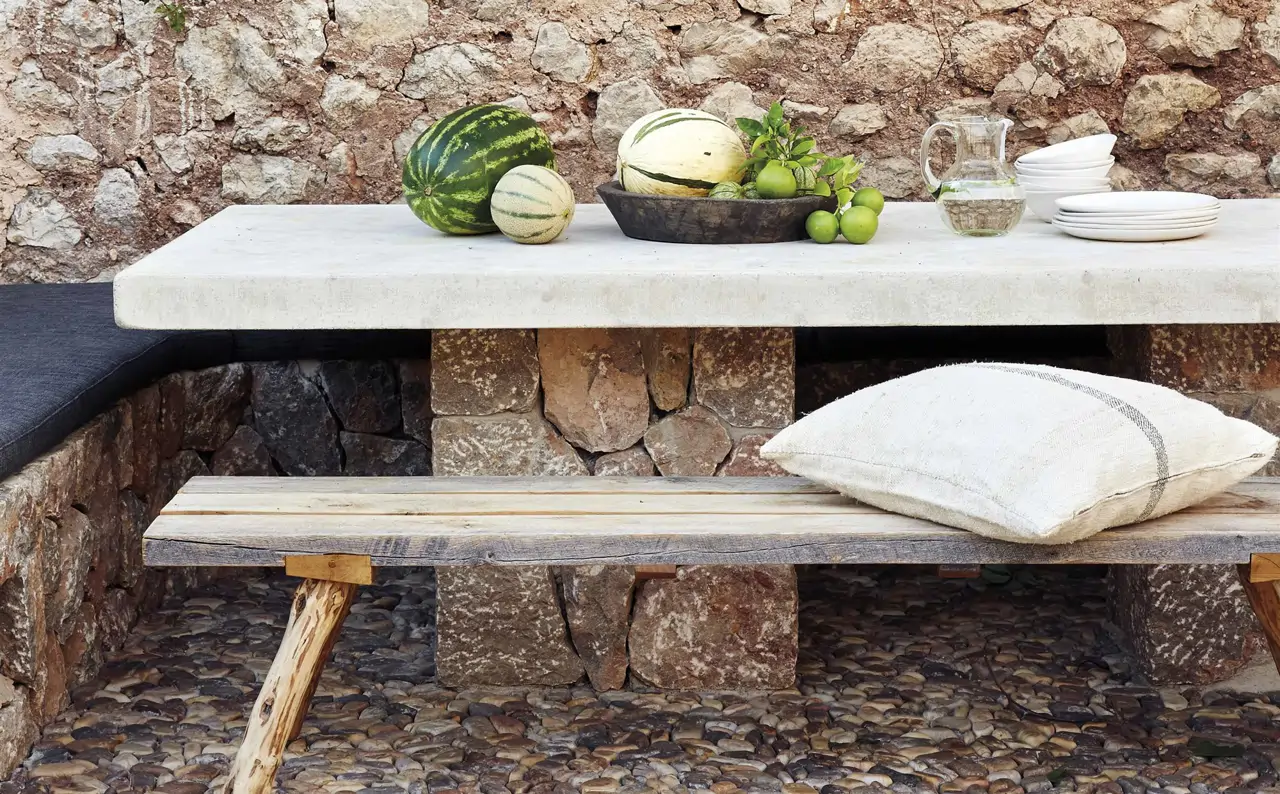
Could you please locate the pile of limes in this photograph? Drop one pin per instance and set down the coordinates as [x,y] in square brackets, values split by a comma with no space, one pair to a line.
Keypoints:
[858,223]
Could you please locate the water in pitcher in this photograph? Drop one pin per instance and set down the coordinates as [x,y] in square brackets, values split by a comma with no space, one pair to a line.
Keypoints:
[978,196]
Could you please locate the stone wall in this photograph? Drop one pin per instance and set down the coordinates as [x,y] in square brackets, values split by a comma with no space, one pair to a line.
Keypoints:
[673,402]
[72,581]
[116,133]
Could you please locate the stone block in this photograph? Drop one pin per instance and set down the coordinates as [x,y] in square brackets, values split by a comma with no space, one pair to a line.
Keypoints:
[689,443]
[510,446]
[294,420]
[745,460]
[594,386]
[144,407]
[476,373]
[1187,624]
[18,726]
[483,641]
[172,475]
[667,364]
[363,395]
[17,527]
[1210,358]
[368,455]
[215,400]
[597,600]
[415,399]
[717,628]
[242,455]
[134,522]
[172,417]
[122,449]
[23,625]
[633,462]
[68,546]
[746,375]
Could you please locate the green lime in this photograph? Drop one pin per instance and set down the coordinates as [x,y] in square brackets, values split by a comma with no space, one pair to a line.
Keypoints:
[859,224]
[822,226]
[870,198]
[776,181]
[821,188]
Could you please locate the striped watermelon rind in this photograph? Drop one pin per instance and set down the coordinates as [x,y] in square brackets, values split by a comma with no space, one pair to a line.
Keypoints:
[532,204]
[451,171]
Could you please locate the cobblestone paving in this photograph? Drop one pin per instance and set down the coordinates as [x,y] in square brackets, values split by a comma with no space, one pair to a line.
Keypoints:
[907,683]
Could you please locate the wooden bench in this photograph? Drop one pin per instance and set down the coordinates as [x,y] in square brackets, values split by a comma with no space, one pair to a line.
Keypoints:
[333,531]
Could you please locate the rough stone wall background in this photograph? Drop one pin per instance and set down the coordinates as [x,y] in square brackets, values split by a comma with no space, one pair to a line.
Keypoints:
[72,581]
[116,134]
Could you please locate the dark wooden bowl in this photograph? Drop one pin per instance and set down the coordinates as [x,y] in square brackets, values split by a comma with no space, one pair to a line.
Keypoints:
[687,219]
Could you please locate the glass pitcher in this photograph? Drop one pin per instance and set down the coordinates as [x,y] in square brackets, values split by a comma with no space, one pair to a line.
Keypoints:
[978,195]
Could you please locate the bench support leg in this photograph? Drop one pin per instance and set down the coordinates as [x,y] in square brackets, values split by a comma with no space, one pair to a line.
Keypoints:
[319,607]
[1264,597]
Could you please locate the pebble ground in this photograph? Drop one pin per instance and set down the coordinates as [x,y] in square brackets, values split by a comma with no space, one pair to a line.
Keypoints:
[907,683]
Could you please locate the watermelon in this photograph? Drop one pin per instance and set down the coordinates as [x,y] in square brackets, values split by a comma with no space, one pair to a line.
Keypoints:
[451,171]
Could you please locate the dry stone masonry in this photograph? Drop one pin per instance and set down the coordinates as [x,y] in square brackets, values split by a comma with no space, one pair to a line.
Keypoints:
[118,134]
[613,403]
[72,581]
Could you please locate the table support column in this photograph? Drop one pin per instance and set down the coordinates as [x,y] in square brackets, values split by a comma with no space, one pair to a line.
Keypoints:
[1192,623]
[622,403]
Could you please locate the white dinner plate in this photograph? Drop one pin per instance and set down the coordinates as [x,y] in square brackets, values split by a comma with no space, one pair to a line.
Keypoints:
[1133,223]
[1134,235]
[1138,201]
[1108,217]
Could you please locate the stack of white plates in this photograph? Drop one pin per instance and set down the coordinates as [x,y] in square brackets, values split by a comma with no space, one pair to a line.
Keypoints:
[1137,216]
[1070,168]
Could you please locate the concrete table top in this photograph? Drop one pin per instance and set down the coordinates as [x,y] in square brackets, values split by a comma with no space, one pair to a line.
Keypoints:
[376,266]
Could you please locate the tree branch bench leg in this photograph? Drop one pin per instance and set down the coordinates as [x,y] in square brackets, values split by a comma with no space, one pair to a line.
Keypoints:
[320,606]
[1261,581]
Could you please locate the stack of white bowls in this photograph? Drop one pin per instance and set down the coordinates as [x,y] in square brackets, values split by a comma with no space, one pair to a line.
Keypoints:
[1070,168]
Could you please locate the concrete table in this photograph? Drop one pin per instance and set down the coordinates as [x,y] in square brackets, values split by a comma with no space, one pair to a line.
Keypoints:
[599,354]
[379,267]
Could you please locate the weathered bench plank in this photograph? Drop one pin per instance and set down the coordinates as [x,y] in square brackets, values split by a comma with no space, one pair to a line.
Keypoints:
[572,521]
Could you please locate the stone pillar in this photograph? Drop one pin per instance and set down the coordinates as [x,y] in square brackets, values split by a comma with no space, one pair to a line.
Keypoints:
[497,626]
[612,403]
[1191,623]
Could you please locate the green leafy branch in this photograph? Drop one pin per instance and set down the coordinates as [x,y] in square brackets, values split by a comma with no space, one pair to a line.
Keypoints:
[174,14]
[775,139]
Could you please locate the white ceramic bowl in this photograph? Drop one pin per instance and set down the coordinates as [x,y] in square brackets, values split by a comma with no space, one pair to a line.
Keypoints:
[1043,203]
[1064,166]
[1095,170]
[1064,183]
[1092,147]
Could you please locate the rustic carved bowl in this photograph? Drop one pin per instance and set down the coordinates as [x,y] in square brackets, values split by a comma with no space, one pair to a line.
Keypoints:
[685,219]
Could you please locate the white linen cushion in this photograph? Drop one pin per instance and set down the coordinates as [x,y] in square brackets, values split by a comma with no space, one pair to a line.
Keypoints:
[1025,453]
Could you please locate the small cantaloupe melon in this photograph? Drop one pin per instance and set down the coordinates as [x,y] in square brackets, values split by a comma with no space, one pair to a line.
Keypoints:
[532,204]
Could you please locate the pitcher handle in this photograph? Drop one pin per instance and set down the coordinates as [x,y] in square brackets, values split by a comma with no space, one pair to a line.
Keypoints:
[930,181]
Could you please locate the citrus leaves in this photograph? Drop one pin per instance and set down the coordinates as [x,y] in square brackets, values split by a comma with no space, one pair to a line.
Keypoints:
[776,140]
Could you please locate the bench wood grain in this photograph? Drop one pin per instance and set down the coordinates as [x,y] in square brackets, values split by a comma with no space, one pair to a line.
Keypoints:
[643,521]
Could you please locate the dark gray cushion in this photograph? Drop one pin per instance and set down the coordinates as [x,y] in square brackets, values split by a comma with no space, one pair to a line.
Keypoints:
[63,360]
